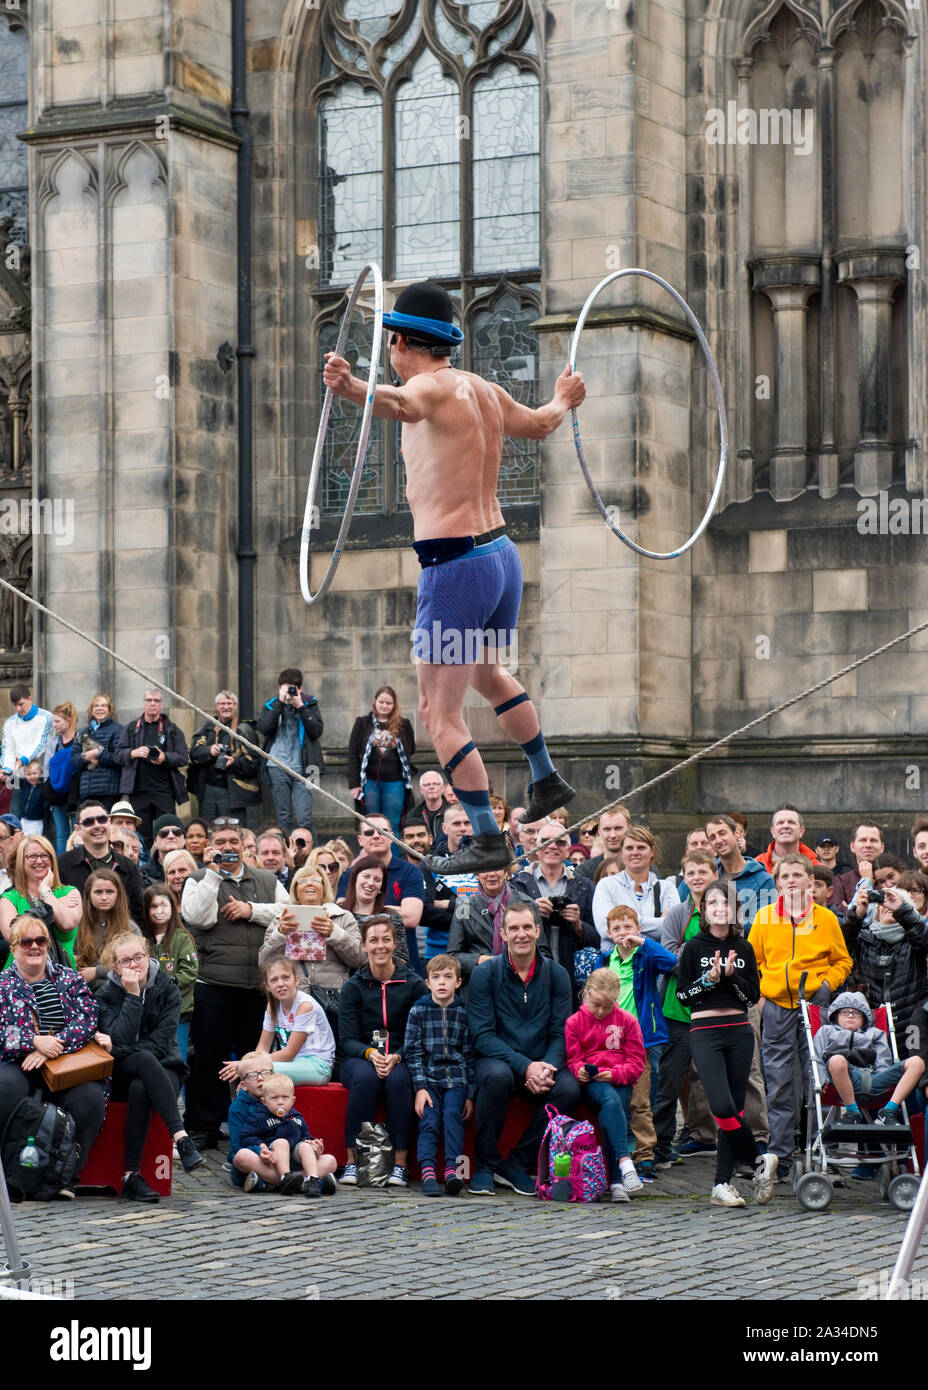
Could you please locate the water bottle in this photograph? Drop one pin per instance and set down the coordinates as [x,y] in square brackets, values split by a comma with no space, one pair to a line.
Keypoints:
[29,1156]
[560,1188]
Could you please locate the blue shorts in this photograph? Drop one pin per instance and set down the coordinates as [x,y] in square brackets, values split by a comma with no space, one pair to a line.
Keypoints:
[468,607]
[867,1082]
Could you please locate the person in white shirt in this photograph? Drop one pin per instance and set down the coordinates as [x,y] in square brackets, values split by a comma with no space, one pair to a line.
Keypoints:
[638,885]
[25,733]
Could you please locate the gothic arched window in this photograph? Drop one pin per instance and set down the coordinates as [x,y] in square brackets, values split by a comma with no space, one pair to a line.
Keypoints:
[428,162]
[14,117]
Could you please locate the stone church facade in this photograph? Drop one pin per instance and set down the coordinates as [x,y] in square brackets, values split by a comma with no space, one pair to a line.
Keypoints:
[767,159]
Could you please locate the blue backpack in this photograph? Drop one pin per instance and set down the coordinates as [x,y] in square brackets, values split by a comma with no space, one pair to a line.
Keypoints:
[59,770]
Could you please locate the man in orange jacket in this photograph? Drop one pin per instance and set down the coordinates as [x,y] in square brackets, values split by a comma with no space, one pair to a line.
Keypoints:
[792,936]
[787,830]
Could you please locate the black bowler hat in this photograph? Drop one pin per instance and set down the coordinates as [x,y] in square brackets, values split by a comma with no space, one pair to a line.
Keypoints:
[426,311]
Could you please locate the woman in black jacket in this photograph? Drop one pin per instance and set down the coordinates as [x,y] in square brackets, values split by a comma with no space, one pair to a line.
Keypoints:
[94,753]
[372,1011]
[889,954]
[139,1011]
[380,766]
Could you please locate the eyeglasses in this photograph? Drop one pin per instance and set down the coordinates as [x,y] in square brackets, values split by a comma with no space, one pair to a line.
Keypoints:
[254,1075]
[589,830]
[225,820]
[117,844]
[329,868]
[559,844]
[131,960]
[369,834]
[34,941]
[93,820]
[37,858]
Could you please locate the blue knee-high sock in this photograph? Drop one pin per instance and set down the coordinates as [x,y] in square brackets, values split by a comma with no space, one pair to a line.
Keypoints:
[539,760]
[479,811]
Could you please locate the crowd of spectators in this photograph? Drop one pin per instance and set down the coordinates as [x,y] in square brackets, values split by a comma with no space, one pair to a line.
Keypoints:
[209,958]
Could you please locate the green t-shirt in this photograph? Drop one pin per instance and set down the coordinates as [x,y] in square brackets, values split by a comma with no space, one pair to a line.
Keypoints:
[65,940]
[672,1006]
[626,972]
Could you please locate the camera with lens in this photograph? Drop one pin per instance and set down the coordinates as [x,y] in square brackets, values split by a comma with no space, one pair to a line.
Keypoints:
[292,690]
[222,762]
[875,895]
[559,901]
[225,858]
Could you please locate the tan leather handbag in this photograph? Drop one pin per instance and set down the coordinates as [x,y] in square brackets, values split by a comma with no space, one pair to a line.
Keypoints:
[89,1063]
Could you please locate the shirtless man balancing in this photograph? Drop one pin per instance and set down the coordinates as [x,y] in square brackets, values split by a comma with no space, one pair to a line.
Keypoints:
[471,581]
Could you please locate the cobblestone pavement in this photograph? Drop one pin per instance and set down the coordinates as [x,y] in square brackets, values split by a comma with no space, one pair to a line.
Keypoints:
[210,1241]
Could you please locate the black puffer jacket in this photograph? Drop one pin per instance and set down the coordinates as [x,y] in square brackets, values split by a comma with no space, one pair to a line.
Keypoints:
[143,1022]
[366,1004]
[893,971]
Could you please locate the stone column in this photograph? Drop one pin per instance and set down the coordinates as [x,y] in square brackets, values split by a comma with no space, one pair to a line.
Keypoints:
[788,281]
[874,277]
[133,212]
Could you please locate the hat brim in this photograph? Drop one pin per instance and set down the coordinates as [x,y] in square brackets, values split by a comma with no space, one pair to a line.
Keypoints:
[432,328]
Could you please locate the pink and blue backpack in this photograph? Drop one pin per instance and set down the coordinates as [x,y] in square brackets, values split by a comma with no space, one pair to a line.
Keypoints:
[588,1179]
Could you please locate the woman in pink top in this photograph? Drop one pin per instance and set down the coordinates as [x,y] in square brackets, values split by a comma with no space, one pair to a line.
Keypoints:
[605,1051]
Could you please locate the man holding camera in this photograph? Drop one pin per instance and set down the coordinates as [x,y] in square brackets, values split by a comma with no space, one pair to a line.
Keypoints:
[151,752]
[224,775]
[228,907]
[563,898]
[292,727]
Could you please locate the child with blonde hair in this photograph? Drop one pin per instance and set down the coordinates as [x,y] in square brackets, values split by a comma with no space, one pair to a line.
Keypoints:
[605,1051]
[274,1136]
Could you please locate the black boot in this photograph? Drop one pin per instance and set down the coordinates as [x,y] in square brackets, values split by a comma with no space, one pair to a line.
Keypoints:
[475,855]
[546,796]
[136,1189]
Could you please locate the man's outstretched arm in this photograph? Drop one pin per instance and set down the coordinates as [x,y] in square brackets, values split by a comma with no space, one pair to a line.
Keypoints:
[520,422]
[410,403]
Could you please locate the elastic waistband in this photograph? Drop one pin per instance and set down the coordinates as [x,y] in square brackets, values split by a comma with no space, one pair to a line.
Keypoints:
[444,548]
[728,1023]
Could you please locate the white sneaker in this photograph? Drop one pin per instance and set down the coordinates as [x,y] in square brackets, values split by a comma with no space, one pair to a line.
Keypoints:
[724,1195]
[349,1176]
[631,1182]
[618,1192]
[764,1177]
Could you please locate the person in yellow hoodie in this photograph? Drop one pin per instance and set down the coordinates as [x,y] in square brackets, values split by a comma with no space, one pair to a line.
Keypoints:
[790,936]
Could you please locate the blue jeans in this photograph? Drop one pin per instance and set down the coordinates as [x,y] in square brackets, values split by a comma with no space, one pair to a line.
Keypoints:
[388,798]
[62,828]
[654,1057]
[293,801]
[183,1039]
[612,1102]
[443,1114]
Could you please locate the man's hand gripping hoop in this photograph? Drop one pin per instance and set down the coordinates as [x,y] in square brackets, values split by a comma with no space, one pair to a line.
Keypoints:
[374,271]
[719,401]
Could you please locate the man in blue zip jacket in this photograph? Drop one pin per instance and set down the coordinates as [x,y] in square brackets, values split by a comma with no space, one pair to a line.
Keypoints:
[517,1006]
[292,727]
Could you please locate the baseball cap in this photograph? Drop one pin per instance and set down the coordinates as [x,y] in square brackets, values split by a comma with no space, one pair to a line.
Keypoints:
[12,821]
[826,838]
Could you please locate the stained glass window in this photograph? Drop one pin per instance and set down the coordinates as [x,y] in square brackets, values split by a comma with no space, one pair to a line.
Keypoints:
[428,174]
[13,118]
[344,428]
[506,171]
[453,171]
[505,350]
[350,182]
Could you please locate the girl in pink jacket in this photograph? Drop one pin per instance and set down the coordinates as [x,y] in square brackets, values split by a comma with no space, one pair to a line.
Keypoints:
[605,1051]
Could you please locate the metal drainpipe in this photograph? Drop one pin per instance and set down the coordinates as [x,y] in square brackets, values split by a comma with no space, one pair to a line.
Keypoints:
[244,352]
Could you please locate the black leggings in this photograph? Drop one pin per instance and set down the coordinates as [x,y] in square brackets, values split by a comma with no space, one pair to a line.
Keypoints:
[723,1053]
[146,1085]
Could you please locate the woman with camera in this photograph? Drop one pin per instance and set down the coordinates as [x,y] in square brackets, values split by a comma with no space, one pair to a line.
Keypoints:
[373,1008]
[888,941]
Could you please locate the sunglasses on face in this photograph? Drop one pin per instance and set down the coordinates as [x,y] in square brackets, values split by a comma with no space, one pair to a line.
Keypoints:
[117,844]
[93,820]
[34,941]
[369,834]
[329,868]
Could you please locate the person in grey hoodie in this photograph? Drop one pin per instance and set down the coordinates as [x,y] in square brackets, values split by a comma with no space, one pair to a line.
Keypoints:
[859,1061]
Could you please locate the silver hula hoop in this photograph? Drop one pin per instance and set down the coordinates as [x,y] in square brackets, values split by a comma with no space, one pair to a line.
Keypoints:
[310,509]
[719,401]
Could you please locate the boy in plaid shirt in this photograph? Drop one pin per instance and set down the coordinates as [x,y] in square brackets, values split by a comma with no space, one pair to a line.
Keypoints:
[439,1052]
